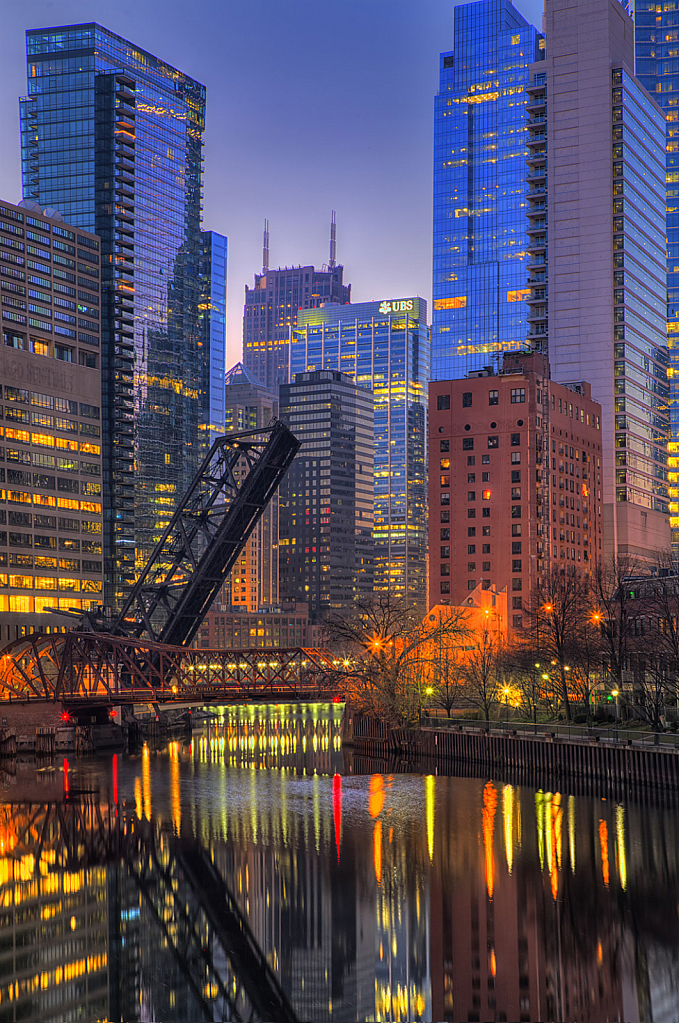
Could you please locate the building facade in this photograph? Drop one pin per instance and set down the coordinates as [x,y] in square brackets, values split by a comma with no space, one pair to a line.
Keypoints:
[112,138]
[655,36]
[515,482]
[384,347]
[271,309]
[212,322]
[480,255]
[239,629]
[601,311]
[50,423]
[327,497]
[253,581]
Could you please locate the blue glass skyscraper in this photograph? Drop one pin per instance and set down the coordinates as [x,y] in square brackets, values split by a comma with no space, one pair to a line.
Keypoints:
[480,259]
[656,36]
[212,317]
[112,138]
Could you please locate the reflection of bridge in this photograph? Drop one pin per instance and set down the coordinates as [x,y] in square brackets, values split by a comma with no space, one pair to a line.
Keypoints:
[98,668]
[183,893]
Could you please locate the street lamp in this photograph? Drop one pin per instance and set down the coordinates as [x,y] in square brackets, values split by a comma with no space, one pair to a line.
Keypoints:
[506,692]
[616,694]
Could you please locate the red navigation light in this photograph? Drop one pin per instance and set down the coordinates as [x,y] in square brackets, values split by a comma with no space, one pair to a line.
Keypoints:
[337,699]
[65,717]
[114,713]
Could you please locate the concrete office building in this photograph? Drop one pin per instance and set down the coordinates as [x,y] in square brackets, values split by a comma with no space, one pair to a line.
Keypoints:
[253,581]
[238,629]
[515,482]
[480,256]
[50,421]
[272,305]
[112,137]
[596,173]
[327,496]
[384,347]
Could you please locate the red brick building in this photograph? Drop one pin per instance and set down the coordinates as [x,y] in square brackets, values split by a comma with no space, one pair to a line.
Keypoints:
[514,481]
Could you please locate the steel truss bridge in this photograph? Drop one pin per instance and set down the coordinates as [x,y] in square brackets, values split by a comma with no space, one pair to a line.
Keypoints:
[175,880]
[80,668]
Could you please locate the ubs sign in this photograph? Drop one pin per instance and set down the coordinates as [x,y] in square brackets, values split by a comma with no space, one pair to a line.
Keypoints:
[404,305]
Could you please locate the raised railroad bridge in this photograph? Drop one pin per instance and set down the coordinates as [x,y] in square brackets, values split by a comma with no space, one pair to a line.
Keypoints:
[79,669]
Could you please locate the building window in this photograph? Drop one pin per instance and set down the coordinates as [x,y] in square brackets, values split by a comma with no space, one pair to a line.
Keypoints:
[466,399]
[485,566]
[471,459]
[485,548]
[444,445]
[445,534]
[445,498]
[485,477]
[516,529]
[493,397]
[471,495]
[518,395]
[445,552]
[516,510]
[471,513]
[471,477]
[445,586]
[471,566]
[486,530]
[486,513]
[516,547]
[445,516]
[494,441]
[516,439]
[485,494]
[467,443]
[444,463]
[445,569]
[517,584]
[471,548]
[445,481]
[471,530]
[516,565]
[442,402]
[471,585]
[485,459]
[516,493]
[516,603]
[516,457]
[517,621]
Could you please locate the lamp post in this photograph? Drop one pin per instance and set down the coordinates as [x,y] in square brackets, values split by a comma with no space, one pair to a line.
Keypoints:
[616,694]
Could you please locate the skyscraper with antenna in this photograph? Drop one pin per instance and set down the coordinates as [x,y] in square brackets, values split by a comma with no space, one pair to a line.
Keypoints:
[272,305]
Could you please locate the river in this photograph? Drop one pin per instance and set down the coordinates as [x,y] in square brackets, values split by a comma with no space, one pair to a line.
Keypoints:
[259,864]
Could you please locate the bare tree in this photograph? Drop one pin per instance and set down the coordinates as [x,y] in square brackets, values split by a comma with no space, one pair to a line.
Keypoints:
[614,610]
[482,672]
[388,654]
[559,610]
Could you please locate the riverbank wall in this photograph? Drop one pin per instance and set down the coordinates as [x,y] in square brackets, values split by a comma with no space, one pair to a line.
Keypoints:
[597,757]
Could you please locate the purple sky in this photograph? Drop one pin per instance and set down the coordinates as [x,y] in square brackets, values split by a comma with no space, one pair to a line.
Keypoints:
[312,105]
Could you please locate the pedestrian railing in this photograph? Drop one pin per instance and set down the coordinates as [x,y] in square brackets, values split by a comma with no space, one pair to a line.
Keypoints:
[603,734]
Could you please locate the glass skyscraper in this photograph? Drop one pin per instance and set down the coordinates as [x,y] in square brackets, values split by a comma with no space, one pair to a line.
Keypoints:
[656,32]
[212,319]
[112,138]
[480,258]
[385,347]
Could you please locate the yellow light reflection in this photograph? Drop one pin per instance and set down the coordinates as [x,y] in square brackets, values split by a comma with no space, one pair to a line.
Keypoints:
[603,842]
[620,841]
[571,831]
[377,851]
[146,781]
[430,796]
[508,821]
[488,823]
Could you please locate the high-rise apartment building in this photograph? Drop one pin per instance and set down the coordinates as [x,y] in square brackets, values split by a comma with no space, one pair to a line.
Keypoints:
[253,581]
[112,138]
[50,421]
[597,155]
[212,322]
[480,254]
[327,496]
[515,482]
[656,36]
[271,311]
[385,347]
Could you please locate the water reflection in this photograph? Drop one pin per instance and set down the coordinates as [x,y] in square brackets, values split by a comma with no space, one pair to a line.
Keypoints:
[374,897]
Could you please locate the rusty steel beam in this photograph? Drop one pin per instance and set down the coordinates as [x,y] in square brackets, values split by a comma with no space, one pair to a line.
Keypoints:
[96,668]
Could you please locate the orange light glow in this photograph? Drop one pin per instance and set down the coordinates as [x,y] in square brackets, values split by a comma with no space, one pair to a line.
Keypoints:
[377,851]
[603,842]
[488,824]
[376,798]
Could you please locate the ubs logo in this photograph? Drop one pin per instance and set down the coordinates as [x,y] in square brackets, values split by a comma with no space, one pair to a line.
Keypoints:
[404,306]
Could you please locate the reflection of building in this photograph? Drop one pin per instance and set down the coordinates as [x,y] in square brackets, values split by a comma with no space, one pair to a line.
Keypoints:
[480,256]
[514,481]
[605,307]
[129,129]
[327,496]
[253,581]
[50,444]
[212,321]
[384,347]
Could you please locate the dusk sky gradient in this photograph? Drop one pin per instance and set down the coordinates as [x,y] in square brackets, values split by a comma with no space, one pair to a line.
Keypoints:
[311,106]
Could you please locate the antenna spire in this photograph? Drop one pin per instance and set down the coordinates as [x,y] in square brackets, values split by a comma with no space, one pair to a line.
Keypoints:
[333,242]
[265,248]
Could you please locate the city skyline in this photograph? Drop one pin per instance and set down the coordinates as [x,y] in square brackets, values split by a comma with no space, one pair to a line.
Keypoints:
[377,53]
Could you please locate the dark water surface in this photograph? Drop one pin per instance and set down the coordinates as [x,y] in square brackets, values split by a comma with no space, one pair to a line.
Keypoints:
[253,873]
